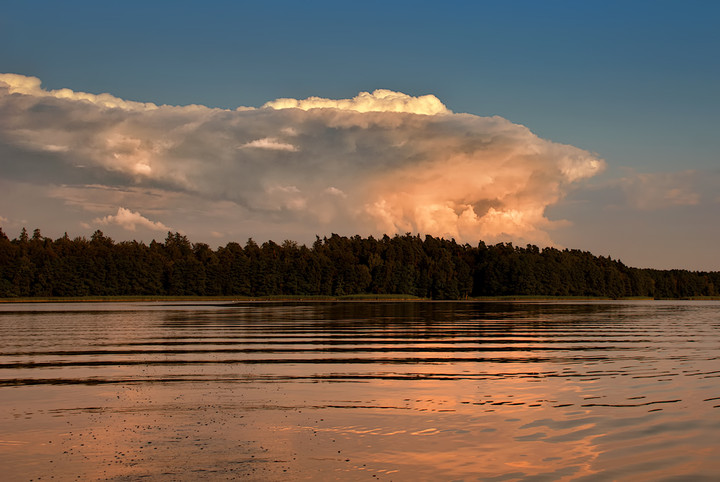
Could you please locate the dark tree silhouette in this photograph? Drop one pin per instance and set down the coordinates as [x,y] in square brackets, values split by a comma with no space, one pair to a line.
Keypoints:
[426,267]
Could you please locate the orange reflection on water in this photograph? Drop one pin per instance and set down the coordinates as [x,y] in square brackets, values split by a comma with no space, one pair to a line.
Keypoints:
[223,396]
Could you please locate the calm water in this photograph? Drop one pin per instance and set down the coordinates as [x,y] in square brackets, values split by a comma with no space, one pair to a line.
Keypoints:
[361,391]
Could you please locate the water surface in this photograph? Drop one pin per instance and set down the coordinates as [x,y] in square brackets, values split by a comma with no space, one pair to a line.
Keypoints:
[361,391]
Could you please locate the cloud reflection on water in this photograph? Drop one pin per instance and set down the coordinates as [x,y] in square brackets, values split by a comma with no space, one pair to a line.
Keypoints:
[427,391]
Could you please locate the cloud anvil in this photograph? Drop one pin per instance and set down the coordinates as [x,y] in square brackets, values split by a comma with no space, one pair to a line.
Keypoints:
[381,162]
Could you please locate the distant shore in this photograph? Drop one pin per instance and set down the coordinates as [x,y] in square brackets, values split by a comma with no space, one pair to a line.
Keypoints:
[361,297]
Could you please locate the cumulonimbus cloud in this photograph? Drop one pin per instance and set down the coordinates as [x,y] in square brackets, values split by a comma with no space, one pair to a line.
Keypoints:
[131,220]
[381,162]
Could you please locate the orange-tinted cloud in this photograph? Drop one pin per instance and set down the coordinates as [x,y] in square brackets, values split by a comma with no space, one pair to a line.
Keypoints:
[380,162]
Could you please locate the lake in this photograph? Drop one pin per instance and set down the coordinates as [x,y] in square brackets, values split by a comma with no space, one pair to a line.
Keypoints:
[489,391]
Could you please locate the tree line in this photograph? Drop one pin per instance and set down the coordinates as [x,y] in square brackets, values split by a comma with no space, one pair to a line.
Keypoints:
[429,267]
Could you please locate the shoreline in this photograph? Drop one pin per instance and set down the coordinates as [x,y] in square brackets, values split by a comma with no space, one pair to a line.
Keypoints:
[369,297]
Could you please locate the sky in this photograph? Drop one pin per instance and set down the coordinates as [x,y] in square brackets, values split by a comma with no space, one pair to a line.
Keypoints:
[585,125]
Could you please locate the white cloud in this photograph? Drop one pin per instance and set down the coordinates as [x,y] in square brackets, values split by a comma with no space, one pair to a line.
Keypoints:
[335,192]
[395,163]
[288,131]
[21,84]
[381,100]
[131,220]
[270,143]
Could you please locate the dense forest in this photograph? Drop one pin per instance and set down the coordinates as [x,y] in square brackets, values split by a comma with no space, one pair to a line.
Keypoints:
[37,266]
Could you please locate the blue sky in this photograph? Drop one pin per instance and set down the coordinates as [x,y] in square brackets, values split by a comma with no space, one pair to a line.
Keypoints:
[634,83]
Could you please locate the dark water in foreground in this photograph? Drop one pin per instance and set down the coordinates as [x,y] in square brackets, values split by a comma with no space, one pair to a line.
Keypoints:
[361,391]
